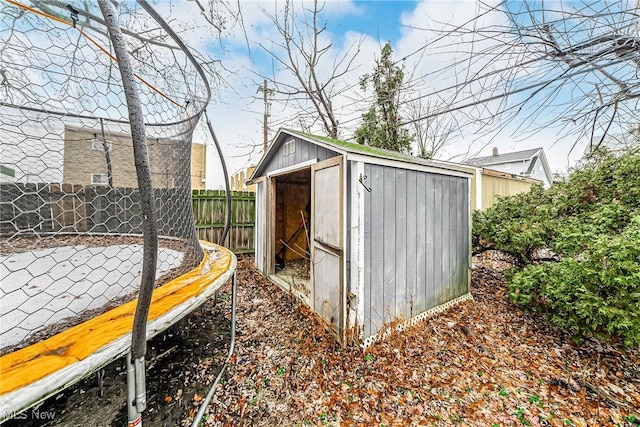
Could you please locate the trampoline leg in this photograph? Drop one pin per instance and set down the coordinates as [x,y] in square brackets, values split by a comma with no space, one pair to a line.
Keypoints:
[205,402]
[136,391]
[100,382]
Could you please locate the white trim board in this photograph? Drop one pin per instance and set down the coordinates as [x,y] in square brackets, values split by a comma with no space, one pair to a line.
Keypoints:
[292,168]
[408,166]
[385,332]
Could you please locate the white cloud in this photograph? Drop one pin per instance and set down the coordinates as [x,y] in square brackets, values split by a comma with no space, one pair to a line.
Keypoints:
[236,108]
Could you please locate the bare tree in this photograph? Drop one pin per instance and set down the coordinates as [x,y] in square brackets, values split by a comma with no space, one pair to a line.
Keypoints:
[315,76]
[572,67]
[432,135]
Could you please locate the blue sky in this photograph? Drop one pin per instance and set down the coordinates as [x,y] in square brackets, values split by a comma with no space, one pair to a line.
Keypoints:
[237,108]
[375,22]
[379,19]
[432,64]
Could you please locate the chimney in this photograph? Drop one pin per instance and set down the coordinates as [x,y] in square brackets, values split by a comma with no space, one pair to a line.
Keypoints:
[495,151]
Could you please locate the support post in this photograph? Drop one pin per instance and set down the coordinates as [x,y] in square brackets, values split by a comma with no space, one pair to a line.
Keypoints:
[134,419]
[136,399]
[265,118]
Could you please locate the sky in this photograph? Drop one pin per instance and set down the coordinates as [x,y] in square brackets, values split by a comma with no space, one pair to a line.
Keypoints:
[237,107]
[239,60]
[237,112]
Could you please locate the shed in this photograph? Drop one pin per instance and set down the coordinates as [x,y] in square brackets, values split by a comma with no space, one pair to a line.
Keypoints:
[366,237]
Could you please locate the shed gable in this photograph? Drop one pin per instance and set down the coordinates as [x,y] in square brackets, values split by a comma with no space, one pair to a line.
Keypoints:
[291,150]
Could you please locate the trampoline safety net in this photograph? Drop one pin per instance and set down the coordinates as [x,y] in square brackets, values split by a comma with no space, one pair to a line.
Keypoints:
[71,221]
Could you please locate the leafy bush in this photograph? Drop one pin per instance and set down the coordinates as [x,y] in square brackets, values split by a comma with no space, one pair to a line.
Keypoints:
[508,225]
[597,294]
[591,225]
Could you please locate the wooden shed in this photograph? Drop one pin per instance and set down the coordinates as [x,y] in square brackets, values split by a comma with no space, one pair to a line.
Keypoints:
[366,237]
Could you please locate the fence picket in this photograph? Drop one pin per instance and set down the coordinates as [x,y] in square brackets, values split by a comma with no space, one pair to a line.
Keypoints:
[209,207]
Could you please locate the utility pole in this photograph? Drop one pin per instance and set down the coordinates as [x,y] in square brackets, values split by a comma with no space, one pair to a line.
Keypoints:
[265,122]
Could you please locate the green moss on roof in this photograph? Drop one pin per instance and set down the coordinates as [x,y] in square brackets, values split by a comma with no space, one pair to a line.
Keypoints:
[367,149]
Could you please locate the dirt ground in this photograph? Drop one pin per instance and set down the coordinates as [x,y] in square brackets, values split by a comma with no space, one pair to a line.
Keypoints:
[482,363]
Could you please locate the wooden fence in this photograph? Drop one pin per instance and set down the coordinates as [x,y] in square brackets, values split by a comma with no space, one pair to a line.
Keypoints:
[209,207]
[66,208]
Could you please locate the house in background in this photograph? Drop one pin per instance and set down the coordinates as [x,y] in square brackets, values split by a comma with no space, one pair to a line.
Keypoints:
[389,237]
[487,185]
[529,163]
[239,180]
[85,160]
[198,166]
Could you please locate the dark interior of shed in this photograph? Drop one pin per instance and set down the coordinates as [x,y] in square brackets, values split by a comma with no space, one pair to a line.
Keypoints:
[292,229]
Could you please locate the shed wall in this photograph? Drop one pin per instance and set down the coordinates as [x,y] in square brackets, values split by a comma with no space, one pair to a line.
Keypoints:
[494,186]
[416,243]
[304,151]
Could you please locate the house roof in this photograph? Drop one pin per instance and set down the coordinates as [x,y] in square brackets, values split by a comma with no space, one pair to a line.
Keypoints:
[344,147]
[501,174]
[504,158]
[535,156]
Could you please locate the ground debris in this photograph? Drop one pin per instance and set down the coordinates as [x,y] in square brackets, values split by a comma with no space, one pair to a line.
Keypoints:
[510,369]
[484,362]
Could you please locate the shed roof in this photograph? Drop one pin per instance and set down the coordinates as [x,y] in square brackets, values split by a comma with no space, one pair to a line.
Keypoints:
[344,147]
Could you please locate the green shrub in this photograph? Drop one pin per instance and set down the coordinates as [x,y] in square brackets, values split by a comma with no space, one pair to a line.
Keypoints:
[591,224]
[598,295]
[508,225]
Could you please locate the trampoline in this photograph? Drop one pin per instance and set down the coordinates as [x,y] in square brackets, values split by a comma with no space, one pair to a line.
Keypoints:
[82,285]
[33,373]
[95,193]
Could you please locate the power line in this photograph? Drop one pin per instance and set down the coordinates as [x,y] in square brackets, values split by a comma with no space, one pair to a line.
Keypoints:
[506,94]
[447,33]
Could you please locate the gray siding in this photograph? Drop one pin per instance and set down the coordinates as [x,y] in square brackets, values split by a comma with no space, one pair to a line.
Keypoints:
[304,151]
[416,243]
[515,168]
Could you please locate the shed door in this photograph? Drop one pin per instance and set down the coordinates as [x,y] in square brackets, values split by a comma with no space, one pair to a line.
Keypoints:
[327,241]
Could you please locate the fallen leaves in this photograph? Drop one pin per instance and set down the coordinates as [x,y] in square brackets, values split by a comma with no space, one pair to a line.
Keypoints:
[481,363]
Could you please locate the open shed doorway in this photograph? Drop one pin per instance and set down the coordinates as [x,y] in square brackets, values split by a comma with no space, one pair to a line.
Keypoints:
[291,231]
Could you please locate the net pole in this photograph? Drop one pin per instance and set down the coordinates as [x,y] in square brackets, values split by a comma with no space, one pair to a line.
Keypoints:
[136,404]
[227,222]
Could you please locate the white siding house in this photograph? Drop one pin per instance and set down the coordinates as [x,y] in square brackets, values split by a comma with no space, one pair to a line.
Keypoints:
[530,163]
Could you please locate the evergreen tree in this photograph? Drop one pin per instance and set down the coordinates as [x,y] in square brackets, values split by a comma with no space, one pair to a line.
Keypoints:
[381,124]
